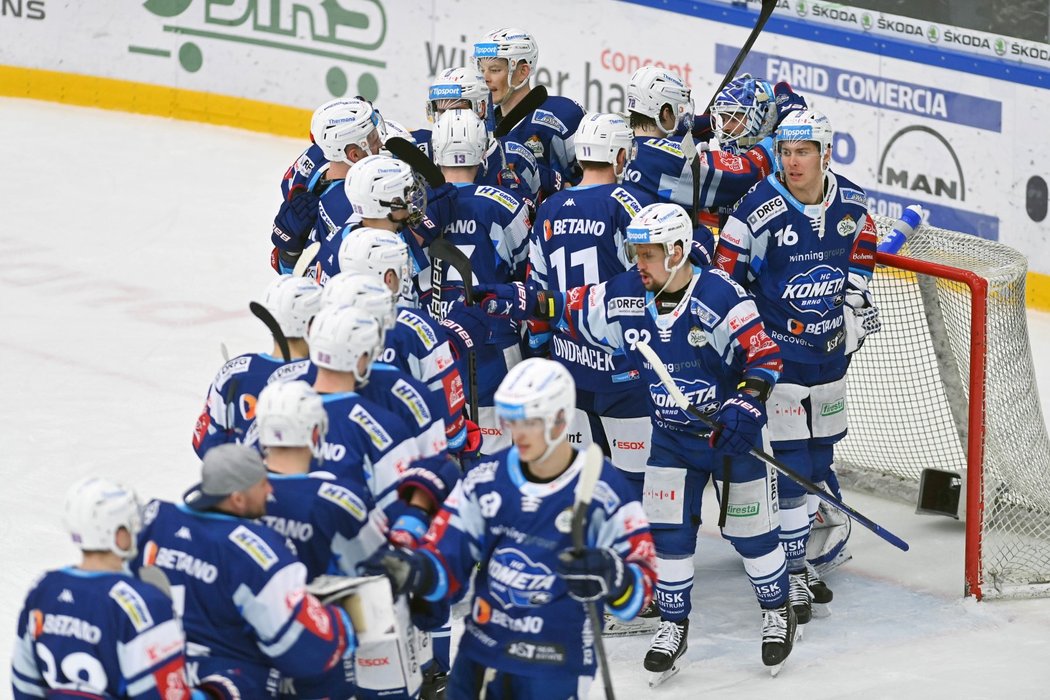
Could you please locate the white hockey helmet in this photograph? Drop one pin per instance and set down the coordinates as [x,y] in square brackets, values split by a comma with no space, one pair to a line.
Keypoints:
[514,45]
[340,336]
[664,224]
[344,122]
[292,301]
[376,251]
[379,185]
[397,129]
[454,85]
[651,88]
[362,291]
[539,388]
[805,125]
[95,509]
[601,137]
[460,138]
[290,414]
[746,106]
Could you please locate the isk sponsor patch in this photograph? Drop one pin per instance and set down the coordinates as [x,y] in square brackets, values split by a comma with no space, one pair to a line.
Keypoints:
[254,546]
[499,196]
[547,119]
[344,498]
[129,600]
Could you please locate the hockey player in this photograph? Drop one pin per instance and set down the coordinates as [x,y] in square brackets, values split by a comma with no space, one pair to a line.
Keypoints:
[507,163]
[415,343]
[229,406]
[507,59]
[491,227]
[659,105]
[77,621]
[384,193]
[708,334]
[802,242]
[331,522]
[344,131]
[527,635]
[238,588]
[743,113]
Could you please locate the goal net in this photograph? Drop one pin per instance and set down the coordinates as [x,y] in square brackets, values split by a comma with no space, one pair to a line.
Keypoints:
[948,384]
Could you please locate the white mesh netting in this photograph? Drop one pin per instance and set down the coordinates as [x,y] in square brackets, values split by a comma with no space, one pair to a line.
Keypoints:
[909,398]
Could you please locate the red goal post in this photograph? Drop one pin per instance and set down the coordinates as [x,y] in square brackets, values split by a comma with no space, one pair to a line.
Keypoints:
[944,398]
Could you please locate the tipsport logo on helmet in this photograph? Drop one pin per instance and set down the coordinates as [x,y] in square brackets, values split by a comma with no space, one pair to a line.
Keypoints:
[487,50]
[336,40]
[795,133]
[446,92]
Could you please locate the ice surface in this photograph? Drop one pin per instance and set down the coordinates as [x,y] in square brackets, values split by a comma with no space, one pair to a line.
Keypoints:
[132,246]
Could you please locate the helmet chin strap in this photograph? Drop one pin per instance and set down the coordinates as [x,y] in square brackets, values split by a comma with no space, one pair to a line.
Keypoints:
[511,88]
[671,273]
[553,442]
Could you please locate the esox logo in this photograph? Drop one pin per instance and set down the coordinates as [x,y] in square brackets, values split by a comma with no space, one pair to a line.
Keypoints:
[327,30]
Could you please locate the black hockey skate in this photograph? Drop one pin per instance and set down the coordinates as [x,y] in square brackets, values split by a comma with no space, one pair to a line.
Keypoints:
[667,647]
[778,636]
[646,622]
[822,595]
[800,597]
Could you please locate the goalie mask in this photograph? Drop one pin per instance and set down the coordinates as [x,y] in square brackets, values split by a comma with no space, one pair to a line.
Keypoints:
[743,113]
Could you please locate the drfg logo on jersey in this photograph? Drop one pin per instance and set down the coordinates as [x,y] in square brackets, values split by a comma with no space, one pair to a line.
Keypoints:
[317,39]
[818,290]
[516,581]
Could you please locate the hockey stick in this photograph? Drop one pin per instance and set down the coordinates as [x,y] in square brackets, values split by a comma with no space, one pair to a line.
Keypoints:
[679,398]
[592,469]
[442,250]
[306,258]
[689,151]
[763,16]
[264,315]
[530,103]
[416,159]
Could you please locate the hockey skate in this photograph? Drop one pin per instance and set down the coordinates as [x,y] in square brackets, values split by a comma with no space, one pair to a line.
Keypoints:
[800,597]
[646,622]
[665,651]
[778,636]
[822,595]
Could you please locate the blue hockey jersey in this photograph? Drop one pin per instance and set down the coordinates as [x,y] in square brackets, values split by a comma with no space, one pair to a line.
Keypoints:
[305,171]
[522,619]
[578,239]
[331,522]
[98,632]
[548,132]
[712,339]
[660,168]
[516,157]
[229,407]
[800,262]
[241,593]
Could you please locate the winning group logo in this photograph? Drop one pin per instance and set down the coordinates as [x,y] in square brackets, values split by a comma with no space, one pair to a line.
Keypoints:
[342,38]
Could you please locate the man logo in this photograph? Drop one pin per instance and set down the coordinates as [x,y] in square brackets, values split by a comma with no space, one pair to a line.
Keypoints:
[919,159]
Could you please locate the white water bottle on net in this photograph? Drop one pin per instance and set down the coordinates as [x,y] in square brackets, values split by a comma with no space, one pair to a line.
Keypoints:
[948,387]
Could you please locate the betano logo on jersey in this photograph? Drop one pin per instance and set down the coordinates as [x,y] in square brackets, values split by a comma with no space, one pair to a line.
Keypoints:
[515,580]
[818,290]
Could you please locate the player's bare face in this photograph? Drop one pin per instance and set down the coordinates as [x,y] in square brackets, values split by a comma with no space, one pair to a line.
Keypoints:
[528,436]
[495,72]
[649,257]
[801,161]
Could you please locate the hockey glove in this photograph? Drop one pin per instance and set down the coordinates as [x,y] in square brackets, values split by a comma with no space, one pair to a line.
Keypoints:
[520,302]
[441,205]
[471,452]
[593,574]
[410,524]
[409,572]
[294,221]
[788,100]
[860,323]
[467,327]
[702,252]
[702,130]
[740,421]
